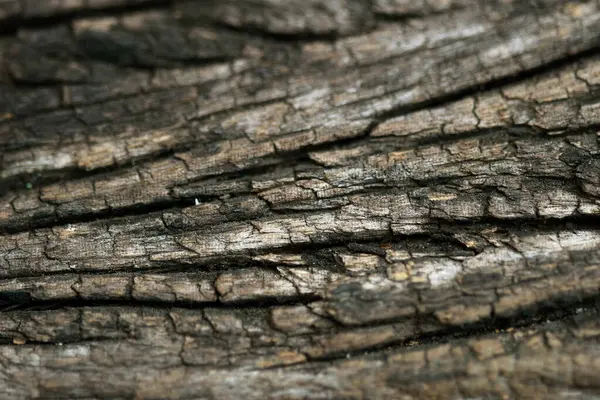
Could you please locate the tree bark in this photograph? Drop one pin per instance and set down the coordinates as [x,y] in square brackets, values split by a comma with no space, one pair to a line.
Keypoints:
[383,199]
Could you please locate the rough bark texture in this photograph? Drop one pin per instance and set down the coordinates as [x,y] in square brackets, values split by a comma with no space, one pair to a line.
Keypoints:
[384,199]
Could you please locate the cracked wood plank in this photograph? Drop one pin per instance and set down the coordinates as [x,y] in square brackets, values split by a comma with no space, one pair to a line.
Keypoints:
[325,199]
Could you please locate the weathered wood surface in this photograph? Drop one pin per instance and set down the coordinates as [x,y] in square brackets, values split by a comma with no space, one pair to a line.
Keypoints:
[318,199]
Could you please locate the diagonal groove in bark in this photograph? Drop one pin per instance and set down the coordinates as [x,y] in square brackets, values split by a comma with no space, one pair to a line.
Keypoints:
[491,85]
[30,326]
[386,172]
[336,227]
[541,316]
[58,305]
[439,230]
[563,272]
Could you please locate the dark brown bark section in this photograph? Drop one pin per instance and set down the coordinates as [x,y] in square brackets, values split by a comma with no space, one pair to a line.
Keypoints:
[318,199]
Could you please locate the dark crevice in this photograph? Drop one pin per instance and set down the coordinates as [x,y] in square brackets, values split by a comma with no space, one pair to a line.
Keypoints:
[543,315]
[493,84]
[237,261]
[577,222]
[184,202]
[409,16]
[133,210]
[202,269]
[292,38]
[273,162]
[493,134]
[404,17]
[380,144]
[50,305]
[442,232]
[316,255]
